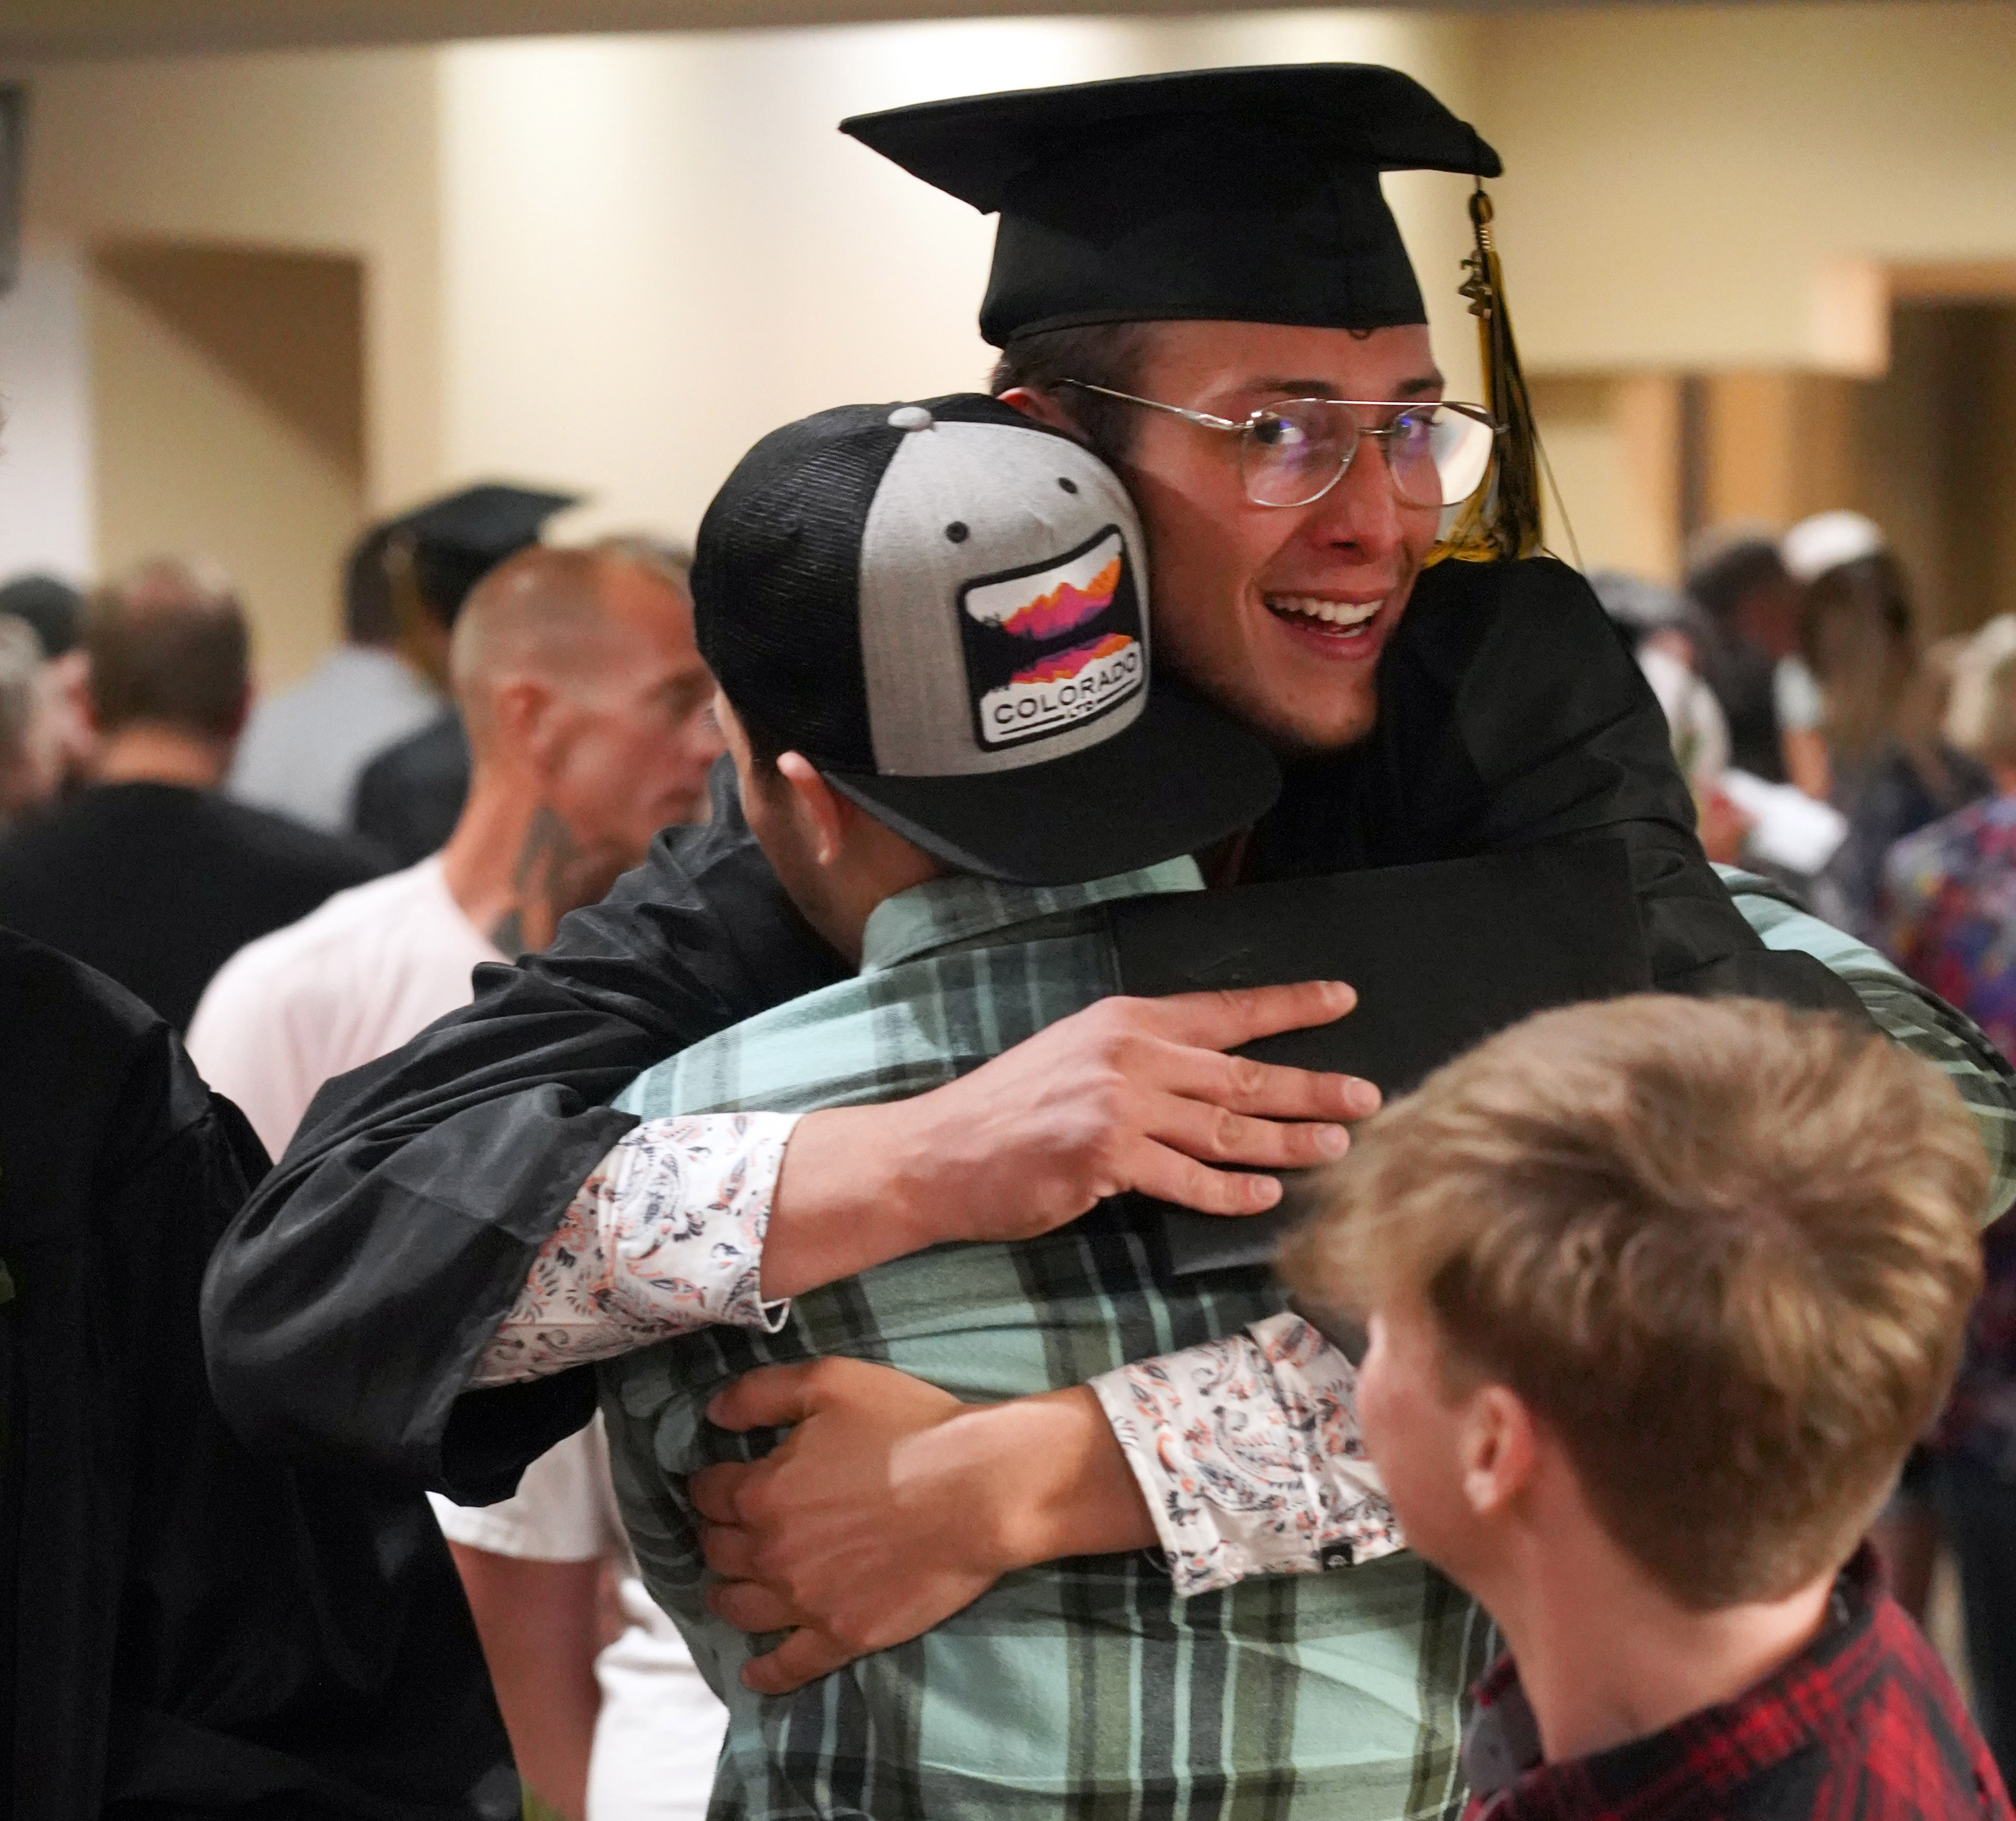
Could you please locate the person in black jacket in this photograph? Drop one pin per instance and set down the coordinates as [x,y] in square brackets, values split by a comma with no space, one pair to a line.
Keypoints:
[186,1630]
[151,873]
[408,796]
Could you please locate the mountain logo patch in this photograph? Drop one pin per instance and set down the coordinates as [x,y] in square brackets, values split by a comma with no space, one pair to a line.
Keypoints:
[1053,644]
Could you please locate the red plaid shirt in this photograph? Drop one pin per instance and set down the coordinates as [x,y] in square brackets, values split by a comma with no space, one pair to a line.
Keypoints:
[1864,1725]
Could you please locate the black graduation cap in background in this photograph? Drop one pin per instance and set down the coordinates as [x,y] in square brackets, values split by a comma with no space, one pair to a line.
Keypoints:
[1246,195]
[54,609]
[454,541]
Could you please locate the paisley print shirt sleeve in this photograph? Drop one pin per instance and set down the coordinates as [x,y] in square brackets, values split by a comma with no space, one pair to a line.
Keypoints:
[1247,1451]
[666,1235]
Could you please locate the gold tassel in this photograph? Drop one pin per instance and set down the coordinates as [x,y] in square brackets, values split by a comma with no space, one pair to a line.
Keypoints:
[1502,519]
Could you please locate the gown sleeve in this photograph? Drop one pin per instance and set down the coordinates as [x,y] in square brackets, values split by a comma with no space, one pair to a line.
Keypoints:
[197,1630]
[305,1642]
[348,1305]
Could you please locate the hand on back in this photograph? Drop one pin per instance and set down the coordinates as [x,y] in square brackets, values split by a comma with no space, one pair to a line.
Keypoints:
[1127,1094]
[891,1506]
[1137,1094]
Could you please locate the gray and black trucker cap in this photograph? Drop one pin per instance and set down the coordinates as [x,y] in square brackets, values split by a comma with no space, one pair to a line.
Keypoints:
[943,606]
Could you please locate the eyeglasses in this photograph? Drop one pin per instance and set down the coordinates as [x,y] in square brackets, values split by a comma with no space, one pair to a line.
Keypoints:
[1295,452]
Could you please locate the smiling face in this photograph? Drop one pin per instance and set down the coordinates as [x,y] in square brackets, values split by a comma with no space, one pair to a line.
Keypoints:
[1276,614]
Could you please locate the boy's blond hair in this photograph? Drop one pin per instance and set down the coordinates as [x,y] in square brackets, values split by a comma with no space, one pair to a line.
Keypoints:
[1723,1251]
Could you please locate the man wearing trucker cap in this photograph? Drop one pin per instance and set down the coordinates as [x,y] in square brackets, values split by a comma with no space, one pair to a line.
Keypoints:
[1197,273]
[930,628]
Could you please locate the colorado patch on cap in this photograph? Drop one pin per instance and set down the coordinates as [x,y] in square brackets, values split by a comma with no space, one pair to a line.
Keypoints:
[1053,644]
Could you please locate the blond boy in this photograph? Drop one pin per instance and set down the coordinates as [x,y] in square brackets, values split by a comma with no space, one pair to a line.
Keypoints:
[1657,1293]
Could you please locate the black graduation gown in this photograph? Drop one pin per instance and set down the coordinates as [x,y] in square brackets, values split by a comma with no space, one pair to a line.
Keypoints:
[348,1305]
[185,1631]
[409,799]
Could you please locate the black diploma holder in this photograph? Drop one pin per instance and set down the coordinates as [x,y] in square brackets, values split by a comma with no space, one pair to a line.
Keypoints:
[1442,955]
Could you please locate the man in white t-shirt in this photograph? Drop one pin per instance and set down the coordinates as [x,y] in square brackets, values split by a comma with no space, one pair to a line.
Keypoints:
[589,714]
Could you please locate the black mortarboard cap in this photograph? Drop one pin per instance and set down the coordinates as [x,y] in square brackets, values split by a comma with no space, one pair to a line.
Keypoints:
[53,608]
[456,540]
[1246,195]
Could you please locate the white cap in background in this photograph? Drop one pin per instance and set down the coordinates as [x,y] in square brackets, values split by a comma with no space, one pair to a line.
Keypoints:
[1827,540]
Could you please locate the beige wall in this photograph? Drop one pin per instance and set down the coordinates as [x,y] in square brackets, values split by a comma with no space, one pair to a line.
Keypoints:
[206,442]
[225,398]
[191,464]
[330,152]
[1687,183]
[1928,450]
[1611,484]
[1723,191]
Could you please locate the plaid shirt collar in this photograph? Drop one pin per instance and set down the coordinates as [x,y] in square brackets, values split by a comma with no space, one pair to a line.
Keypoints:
[1710,1754]
[963,908]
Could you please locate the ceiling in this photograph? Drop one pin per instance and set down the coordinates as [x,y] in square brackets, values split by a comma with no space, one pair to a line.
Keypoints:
[36,29]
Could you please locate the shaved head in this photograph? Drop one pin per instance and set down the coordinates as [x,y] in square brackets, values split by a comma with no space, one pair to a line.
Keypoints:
[584,693]
[542,613]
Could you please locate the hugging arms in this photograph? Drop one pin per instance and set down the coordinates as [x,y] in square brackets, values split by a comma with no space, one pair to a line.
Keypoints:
[353,1305]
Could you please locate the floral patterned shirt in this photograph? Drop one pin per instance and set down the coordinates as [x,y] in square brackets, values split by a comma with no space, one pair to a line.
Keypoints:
[1949,912]
[1247,1451]
[665,1236]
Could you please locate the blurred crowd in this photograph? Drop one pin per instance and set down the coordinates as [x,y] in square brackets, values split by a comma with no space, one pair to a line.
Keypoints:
[1870,771]
[156,815]
[299,882]
[1816,725]
[1831,747]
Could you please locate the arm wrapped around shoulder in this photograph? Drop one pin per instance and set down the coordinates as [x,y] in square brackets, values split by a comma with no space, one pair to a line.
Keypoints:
[1517,712]
[1903,1011]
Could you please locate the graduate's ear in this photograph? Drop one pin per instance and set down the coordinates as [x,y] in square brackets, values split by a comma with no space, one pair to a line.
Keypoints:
[1043,408]
[823,814]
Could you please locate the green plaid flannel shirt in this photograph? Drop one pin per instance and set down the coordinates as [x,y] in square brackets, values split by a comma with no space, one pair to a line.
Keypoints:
[1083,1689]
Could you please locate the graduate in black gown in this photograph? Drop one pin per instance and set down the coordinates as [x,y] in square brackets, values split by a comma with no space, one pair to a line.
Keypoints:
[408,798]
[186,1630]
[350,1305]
